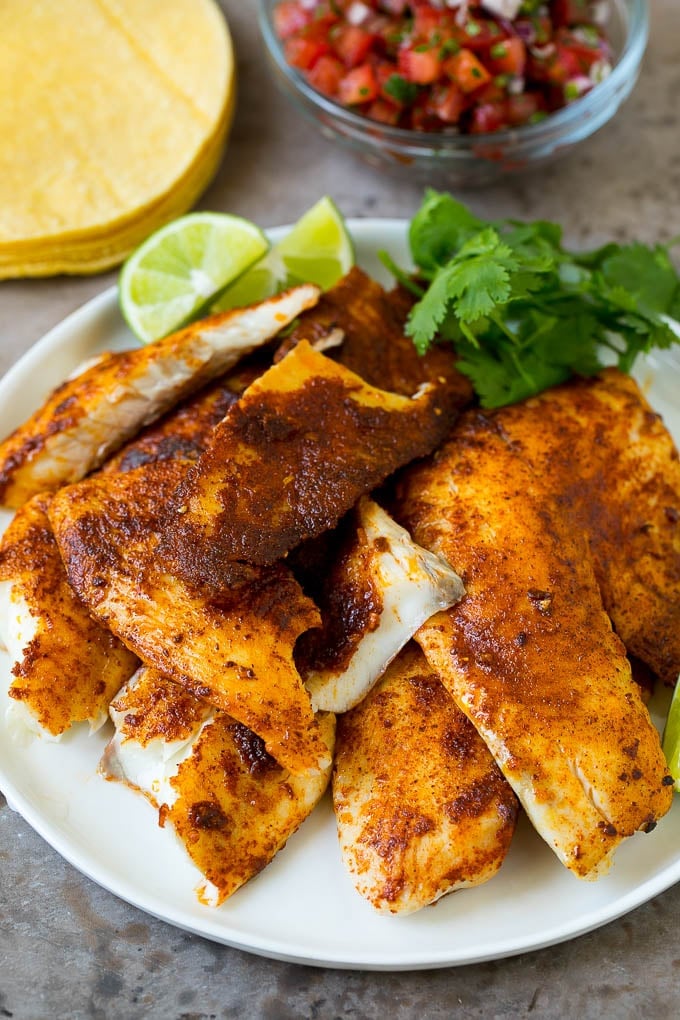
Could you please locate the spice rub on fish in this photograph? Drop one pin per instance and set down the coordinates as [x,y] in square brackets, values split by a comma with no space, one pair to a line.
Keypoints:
[289,459]
[90,416]
[614,469]
[183,432]
[375,345]
[421,807]
[231,644]
[529,653]
[377,591]
[236,807]
[232,806]
[66,666]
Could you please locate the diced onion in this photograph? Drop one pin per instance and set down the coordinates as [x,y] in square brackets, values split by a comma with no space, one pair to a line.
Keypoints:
[357,13]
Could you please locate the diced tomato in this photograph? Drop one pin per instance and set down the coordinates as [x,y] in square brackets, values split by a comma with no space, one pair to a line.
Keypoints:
[426,65]
[557,68]
[536,30]
[586,47]
[290,17]
[389,36]
[479,33]
[396,7]
[422,118]
[523,107]
[569,56]
[303,53]
[326,75]
[447,102]
[571,12]
[427,21]
[508,57]
[359,85]
[352,44]
[489,93]
[488,117]
[384,112]
[419,65]
[466,70]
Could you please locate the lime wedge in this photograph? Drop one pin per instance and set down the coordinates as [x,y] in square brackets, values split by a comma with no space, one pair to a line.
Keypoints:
[180,268]
[318,249]
[671,737]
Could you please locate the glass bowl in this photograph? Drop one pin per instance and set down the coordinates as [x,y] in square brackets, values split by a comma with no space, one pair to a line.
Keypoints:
[472,160]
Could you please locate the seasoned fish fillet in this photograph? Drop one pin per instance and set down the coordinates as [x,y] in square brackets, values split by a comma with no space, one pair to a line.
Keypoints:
[229,803]
[615,470]
[231,644]
[66,666]
[378,592]
[91,415]
[183,432]
[236,807]
[62,656]
[375,345]
[529,653]
[290,458]
[156,725]
[421,807]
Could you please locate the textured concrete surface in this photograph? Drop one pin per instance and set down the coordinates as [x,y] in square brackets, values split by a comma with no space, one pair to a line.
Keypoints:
[69,949]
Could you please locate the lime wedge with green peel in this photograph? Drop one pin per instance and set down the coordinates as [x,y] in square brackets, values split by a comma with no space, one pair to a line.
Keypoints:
[671,737]
[175,275]
[318,249]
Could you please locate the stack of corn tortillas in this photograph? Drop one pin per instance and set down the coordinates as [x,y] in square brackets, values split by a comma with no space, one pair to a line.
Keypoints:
[113,119]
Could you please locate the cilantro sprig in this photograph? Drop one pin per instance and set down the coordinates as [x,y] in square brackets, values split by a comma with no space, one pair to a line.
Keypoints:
[522,312]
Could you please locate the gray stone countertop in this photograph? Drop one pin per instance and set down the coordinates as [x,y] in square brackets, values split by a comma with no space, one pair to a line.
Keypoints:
[69,948]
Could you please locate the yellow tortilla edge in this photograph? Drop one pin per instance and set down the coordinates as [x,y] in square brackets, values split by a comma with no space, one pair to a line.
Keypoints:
[93,254]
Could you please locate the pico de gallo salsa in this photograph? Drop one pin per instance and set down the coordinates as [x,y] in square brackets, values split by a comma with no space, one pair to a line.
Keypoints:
[469,66]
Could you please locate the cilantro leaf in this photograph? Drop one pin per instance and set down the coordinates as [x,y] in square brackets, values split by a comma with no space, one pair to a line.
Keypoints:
[401,89]
[438,230]
[474,283]
[521,312]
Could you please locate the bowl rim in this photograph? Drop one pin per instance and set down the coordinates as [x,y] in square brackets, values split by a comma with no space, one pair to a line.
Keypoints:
[623,74]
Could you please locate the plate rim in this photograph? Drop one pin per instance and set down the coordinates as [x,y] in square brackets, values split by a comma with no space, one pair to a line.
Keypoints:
[61,334]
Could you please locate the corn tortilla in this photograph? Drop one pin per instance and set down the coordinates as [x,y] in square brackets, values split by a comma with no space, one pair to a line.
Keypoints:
[113,117]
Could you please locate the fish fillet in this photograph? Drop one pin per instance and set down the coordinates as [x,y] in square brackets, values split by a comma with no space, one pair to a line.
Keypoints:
[616,473]
[232,644]
[156,723]
[376,346]
[66,666]
[529,653]
[290,458]
[183,432]
[91,415]
[229,803]
[421,807]
[380,589]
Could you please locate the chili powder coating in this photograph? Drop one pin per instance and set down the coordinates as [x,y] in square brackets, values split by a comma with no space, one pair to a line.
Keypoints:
[91,415]
[290,458]
[236,807]
[152,707]
[232,645]
[614,469]
[231,804]
[56,688]
[375,345]
[558,709]
[422,808]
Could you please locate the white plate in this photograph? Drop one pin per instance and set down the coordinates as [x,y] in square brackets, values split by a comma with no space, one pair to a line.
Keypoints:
[303,907]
